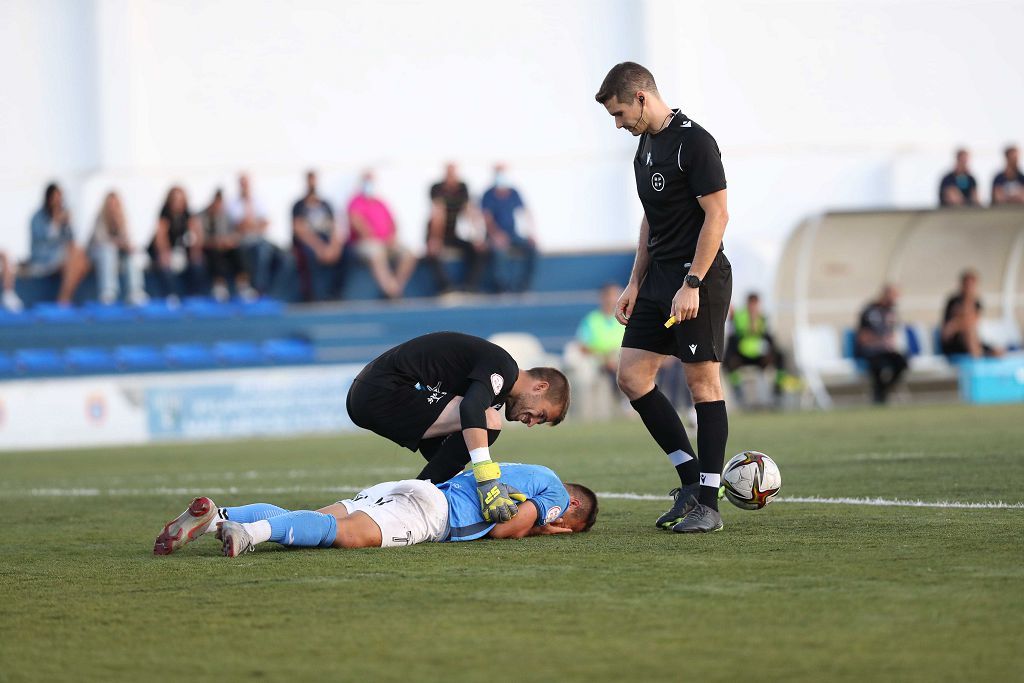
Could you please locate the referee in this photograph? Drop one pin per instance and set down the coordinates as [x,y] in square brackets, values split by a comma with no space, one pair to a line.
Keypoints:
[440,394]
[678,294]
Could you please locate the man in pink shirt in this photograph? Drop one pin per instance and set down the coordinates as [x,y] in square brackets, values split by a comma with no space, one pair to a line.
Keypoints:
[373,236]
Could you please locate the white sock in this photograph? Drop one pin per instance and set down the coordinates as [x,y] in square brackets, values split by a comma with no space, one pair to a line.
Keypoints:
[677,458]
[710,479]
[259,530]
[217,519]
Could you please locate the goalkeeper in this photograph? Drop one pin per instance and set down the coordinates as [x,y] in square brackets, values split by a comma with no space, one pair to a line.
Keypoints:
[440,394]
[396,513]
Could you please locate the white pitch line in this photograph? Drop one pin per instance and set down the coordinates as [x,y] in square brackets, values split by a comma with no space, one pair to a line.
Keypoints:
[273,491]
[874,502]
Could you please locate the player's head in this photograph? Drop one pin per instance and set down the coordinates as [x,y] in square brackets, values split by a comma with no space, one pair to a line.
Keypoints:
[582,511]
[627,92]
[1011,155]
[543,399]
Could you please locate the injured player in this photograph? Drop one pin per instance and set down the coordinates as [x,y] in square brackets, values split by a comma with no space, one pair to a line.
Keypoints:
[395,513]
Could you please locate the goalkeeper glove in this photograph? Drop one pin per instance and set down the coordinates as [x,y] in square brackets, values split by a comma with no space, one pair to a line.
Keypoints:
[497,501]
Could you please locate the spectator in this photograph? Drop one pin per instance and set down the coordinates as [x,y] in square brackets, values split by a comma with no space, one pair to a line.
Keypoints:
[9,299]
[374,239]
[450,202]
[751,344]
[1008,185]
[317,244]
[110,248]
[176,247]
[875,343]
[53,248]
[502,206]
[249,217]
[592,359]
[222,247]
[958,187]
[959,333]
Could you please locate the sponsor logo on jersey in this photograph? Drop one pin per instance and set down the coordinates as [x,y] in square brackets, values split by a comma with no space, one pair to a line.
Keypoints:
[554,512]
[435,392]
[497,382]
[658,182]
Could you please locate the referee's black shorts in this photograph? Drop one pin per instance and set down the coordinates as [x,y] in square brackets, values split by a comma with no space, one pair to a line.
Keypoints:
[393,409]
[692,341]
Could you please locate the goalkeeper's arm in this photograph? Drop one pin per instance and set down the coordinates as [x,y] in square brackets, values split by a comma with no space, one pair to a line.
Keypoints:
[496,503]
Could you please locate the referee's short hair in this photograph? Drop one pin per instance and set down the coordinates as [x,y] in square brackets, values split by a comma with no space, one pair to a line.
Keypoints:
[623,81]
[558,389]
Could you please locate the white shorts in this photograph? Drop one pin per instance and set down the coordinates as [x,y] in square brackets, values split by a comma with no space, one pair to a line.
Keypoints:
[408,512]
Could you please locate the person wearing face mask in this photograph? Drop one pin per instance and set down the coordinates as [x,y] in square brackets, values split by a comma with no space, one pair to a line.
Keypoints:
[504,213]
[374,238]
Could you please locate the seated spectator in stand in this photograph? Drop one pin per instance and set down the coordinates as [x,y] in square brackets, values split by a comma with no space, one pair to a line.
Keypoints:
[110,248]
[53,247]
[959,333]
[9,299]
[502,206]
[449,201]
[374,238]
[177,247]
[958,187]
[317,244]
[1008,185]
[222,247]
[875,343]
[751,344]
[250,218]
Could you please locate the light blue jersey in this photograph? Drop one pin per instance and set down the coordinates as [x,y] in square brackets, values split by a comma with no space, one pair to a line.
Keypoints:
[538,483]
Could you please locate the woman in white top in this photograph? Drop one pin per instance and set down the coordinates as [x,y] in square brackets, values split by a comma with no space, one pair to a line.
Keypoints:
[111,250]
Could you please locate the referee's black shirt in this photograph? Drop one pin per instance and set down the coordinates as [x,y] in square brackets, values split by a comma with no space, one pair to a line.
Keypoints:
[673,169]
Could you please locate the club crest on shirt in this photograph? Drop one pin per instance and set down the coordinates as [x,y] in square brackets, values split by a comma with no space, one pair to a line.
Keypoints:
[554,512]
[497,382]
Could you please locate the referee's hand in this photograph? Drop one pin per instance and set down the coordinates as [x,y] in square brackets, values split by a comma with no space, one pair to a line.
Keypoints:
[685,303]
[624,306]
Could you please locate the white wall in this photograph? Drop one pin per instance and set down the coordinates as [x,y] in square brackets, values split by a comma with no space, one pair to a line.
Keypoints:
[815,104]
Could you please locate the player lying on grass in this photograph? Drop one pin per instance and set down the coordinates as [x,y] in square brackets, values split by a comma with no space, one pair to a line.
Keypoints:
[394,513]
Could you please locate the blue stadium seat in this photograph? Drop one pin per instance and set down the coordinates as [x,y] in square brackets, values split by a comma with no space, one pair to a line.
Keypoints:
[190,356]
[108,313]
[261,308]
[913,343]
[239,353]
[207,308]
[289,351]
[10,319]
[137,357]
[849,341]
[90,359]
[39,361]
[56,313]
[160,310]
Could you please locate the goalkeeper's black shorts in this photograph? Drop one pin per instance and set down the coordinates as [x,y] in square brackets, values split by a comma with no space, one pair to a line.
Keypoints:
[393,409]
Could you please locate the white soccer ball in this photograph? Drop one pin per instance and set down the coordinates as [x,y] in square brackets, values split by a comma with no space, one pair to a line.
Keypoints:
[752,480]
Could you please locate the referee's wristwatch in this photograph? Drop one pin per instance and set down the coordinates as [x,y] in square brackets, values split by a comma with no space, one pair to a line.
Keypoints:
[693,282]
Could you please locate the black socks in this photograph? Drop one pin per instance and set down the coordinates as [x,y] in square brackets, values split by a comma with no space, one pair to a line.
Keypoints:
[662,421]
[712,434]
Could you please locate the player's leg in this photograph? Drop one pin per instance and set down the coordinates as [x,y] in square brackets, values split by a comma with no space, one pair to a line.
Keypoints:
[637,370]
[203,516]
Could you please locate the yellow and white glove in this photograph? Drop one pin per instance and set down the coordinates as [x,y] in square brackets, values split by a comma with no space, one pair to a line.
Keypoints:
[497,500]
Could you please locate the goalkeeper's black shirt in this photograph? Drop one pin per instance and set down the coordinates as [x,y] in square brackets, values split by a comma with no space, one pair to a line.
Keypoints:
[673,169]
[444,364]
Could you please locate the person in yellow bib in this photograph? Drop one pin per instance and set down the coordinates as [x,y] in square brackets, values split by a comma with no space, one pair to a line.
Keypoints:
[752,344]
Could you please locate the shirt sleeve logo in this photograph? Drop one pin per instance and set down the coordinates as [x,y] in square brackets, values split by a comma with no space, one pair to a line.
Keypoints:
[554,512]
[658,182]
[497,382]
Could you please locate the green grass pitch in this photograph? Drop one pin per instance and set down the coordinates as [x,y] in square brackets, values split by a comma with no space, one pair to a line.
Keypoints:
[795,592]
